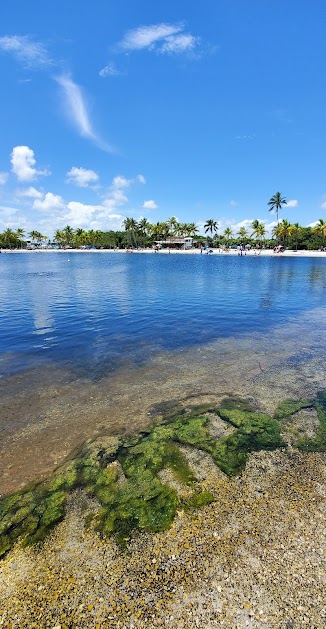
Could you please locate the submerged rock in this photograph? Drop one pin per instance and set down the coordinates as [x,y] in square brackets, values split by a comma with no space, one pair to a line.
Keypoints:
[126,475]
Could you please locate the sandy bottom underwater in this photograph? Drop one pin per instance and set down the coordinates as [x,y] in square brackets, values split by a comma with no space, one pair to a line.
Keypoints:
[253,558]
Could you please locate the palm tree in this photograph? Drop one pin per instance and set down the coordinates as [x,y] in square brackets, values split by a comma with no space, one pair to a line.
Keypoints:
[243,234]
[294,231]
[276,203]
[211,226]
[191,229]
[228,233]
[68,235]
[80,237]
[131,226]
[19,235]
[144,227]
[258,229]
[320,228]
[283,230]
[261,233]
[9,237]
[59,237]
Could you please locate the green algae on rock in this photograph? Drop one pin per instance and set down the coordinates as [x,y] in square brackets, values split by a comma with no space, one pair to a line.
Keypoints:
[288,408]
[123,473]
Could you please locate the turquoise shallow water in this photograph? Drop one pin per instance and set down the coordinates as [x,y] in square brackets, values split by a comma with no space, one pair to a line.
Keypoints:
[94,311]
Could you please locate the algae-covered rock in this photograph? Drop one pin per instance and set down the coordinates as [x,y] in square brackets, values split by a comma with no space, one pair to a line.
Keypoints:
[318,443]
[123,473]
[289,407]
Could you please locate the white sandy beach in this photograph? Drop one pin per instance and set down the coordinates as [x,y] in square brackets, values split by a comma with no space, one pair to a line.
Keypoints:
[228,252]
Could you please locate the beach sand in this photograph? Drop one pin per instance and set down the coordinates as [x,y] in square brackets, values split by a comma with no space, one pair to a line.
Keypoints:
[228,252]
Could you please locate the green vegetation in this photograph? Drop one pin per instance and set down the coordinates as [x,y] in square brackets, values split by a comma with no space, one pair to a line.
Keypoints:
[123,474]
[144,234]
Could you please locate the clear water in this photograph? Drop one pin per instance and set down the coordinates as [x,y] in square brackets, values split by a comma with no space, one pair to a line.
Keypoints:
[96,311]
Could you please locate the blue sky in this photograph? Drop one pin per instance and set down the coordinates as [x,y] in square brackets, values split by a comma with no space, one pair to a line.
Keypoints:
[194,110]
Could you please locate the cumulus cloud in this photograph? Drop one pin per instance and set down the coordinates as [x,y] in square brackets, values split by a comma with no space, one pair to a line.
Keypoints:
[30,53]
[109,70]
[3,178]
[81,177]
[163,38]
[23,164]
[49,203]
[31,192]
[76,110]
[121,182]
[141,179]
[115,199]
[80,214]
[292,203]
[91,216]
[150,205]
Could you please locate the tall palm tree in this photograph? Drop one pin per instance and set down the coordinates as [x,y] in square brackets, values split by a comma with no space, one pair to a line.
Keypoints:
[144,227]
[276,203]
[211,226]
[320,228]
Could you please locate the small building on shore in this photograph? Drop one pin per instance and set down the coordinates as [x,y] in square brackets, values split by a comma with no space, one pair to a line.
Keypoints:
[176,243]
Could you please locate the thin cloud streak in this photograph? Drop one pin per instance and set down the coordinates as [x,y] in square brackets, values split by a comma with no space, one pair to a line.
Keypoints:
[76,111]
[162,38]
[32,54]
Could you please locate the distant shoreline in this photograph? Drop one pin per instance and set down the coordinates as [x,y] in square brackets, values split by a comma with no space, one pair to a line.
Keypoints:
[229,252]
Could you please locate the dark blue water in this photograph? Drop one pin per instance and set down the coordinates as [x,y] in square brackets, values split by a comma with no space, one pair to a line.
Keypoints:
[95,311]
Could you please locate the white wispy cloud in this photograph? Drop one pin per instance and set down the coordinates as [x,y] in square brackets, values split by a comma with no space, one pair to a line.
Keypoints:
[3,178]
[23,164]
[122,182]
[292,203]
[76,110]
[31,193]
[110,70]
[31,53]
[323,205]
[150,205]
[82,177]
[49,203]
[179,43]
[163,38]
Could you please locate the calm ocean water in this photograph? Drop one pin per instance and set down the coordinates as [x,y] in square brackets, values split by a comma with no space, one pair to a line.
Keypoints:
[96,311]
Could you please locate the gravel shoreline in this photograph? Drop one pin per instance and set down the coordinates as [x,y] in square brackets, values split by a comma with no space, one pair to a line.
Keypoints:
[251,559]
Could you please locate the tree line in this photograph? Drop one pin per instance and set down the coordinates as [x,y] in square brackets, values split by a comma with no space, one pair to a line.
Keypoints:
[143,234]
